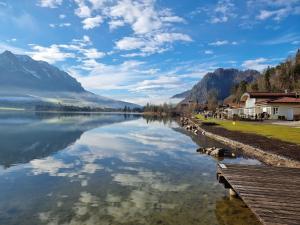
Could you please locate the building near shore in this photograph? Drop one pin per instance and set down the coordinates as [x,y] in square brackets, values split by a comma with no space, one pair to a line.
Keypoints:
[233,111]
[283,106]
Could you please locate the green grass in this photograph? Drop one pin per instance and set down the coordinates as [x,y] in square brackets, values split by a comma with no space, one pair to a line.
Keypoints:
[281,132]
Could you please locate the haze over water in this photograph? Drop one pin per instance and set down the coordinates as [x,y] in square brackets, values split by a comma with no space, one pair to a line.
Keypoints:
[108,169]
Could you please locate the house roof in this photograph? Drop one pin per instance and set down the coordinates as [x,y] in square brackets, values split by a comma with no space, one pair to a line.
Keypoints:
[270,94]
[286,100]
[267,95]
[262,101]
[236,105]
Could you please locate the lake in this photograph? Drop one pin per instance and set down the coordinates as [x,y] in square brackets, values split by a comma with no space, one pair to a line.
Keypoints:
[109,169]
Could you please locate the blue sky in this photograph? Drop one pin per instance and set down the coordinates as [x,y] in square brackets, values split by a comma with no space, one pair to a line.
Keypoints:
[147,50]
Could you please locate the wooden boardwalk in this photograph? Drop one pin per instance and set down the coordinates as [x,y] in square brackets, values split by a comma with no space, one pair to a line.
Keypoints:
[272,193]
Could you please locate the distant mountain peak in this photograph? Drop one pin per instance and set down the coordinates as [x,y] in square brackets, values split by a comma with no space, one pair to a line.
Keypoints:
[221,80]
[6,52]
[8,55]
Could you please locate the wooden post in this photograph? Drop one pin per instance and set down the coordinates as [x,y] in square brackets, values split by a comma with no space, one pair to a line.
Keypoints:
[232,192]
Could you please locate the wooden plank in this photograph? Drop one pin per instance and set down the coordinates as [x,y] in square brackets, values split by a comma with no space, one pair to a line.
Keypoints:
[265,176]
[268,192]
[260,184]
[268,197]
[272,193]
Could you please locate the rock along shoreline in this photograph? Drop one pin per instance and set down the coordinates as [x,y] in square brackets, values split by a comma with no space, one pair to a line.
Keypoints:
[268,158]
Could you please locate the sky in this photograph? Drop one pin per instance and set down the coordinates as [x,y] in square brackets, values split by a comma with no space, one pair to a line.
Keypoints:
[148,50]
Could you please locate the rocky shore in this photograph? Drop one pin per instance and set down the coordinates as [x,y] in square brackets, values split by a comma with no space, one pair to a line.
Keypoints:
[217,152]
[279,156]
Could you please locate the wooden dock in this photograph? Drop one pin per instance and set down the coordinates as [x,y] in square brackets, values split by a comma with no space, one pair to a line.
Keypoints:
[272,193]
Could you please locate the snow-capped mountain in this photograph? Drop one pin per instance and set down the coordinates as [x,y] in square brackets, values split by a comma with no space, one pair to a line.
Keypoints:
[23,79]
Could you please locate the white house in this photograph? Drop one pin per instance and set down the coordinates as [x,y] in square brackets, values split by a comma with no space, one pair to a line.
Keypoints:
[284,106]
[233,110]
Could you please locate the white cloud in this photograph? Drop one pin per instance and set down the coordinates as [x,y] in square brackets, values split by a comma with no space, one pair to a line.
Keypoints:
[90,23]
[274,9]
[276,14]
[114,24]
[223,11]
[141,15]
[223,42]
[93,53]
[52,25]
[280,2]
[160,83]
[62,16]
[97,4]
[83,11]
[208,52]
[136,54]
[171,37]
[50,54]
[12,40]
[256,64]
[151,44]
[219,43]
[172,19]
[130,43]
[106,77]
[86,39]
[82,49]
[50,3]
[64,24]
[9,47]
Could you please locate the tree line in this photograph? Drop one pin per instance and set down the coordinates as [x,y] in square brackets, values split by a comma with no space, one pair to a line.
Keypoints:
[285,76]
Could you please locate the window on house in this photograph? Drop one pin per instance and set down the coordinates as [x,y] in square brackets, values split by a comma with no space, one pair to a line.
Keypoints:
[275,110]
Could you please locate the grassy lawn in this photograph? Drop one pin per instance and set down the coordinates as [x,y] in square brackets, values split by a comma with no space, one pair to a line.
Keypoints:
[284,133]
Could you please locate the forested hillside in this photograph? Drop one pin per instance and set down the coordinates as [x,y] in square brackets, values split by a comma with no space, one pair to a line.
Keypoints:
[285,76]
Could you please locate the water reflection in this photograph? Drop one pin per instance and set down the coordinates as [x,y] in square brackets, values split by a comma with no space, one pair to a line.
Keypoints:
[27,136]
[116,170]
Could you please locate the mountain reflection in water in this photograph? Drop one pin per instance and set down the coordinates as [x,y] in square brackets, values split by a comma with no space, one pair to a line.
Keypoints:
[27,136]
[107,169]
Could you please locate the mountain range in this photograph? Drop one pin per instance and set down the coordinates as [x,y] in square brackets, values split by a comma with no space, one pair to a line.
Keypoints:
[27,82]
[221,81]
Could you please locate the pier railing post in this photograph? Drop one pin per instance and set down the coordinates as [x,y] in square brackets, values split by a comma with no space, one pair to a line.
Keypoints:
[232,192]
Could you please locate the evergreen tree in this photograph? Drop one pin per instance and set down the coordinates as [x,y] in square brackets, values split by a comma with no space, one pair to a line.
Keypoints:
[254,86]
[298,57]
[267,77]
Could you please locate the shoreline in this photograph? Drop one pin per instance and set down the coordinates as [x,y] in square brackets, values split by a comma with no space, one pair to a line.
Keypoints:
[69,112]
[266,157]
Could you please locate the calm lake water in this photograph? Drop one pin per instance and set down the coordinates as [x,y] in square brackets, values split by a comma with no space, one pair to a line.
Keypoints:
[109,169]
